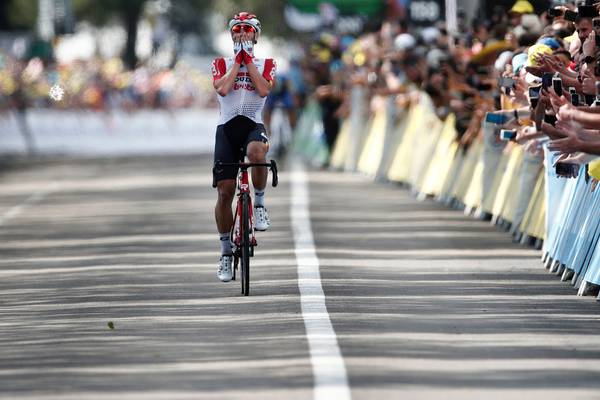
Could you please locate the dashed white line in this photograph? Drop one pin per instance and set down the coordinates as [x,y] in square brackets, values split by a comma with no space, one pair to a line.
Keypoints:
[329,371]
[18,209]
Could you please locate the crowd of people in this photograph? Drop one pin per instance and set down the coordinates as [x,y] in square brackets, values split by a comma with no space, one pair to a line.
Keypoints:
[100,85]
[506,70]
[525,82]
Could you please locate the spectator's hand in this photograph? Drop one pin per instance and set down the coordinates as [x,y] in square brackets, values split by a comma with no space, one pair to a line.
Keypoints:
[520,92]
[542,65]
[575,158]
[568,144]
[589,46]
[324,91]
[537,114]
[555,101]
[537,70]
[459,106]
[589,81]
[566,112]
[526,134]
[534,147]
[557,65]
[551,131]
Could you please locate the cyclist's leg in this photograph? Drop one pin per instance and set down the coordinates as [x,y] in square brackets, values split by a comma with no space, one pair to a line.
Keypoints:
[225,151]
[257,146]
[256,150]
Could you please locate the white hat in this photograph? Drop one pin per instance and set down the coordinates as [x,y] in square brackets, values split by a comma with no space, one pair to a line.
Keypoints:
[404,41]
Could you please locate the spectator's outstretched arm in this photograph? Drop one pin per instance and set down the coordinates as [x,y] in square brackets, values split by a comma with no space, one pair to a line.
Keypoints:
[587,117]
[576,140]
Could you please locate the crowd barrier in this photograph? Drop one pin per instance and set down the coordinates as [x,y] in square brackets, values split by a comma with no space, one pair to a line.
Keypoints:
[92,133]
[489,179]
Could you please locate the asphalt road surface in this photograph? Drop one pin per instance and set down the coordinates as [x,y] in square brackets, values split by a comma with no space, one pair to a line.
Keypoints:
[425,303]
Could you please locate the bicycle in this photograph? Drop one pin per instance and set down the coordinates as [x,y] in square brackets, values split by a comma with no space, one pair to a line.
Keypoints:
[242,233]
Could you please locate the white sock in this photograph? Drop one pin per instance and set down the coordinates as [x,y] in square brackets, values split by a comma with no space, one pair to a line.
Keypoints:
[225,244]
[259,198]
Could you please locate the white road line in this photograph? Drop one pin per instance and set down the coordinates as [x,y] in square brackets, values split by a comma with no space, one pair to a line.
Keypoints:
[329,371]
[18,209]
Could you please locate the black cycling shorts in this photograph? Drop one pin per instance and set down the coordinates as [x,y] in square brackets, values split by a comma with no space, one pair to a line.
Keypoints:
[232,139]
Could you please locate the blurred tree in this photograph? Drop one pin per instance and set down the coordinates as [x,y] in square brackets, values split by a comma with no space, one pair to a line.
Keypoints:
[18,14]
[99,12]
[190,17]
[270,14]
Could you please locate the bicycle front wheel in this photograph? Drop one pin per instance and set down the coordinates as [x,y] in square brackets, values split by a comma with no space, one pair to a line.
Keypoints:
[245,259]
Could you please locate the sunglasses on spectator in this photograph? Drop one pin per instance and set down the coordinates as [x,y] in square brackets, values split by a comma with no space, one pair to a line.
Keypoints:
[245,28]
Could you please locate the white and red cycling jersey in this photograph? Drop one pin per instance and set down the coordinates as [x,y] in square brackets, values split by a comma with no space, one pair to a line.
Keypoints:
[243,98]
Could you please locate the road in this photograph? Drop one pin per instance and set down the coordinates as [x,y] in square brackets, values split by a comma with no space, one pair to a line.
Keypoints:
[425,302]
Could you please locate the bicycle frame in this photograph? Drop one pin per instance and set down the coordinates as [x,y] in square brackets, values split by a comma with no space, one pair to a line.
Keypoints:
[242,232]
[243,188]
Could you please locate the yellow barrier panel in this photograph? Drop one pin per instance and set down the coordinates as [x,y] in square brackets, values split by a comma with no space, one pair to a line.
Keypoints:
[535,210]
[356,144]
[440,167]
[488,198]
[424,147]
[510,205]
[392,143]
[511,173]
[403,156]
[454,173]
[341,147]
[472,198]
[471,159]
[370,157]
[539,230]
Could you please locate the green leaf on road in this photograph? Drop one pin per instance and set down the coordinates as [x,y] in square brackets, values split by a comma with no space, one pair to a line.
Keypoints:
[111,325]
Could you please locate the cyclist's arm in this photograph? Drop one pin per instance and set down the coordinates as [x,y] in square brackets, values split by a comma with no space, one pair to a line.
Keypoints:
[224,83]
[263,86]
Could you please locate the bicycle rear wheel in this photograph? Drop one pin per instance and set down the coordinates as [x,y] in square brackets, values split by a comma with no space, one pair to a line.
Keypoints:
[245,259]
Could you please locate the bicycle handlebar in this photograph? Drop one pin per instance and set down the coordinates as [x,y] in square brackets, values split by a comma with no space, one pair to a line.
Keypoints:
[244,166]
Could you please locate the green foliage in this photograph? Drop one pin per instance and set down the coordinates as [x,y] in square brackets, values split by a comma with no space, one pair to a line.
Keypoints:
[20,14]
[99,12]
[270,13]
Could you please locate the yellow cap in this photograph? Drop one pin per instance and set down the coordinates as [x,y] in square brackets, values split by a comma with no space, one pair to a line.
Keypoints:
[522,7]
[594,169]
[536,50]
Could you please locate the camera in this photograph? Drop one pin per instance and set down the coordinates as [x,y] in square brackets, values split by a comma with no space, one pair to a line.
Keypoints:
[550,119]
[534,96]
[565,168]
[589,99]
[508,134]
[574,96]
[597,102]
[498,119]
[557,84]
[555,12]
[547,80]
[571,15]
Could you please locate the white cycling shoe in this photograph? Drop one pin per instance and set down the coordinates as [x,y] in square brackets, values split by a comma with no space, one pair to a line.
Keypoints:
[225,271]
[261,219]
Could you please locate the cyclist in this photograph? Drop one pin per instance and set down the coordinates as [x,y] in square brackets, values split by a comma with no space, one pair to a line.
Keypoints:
[242,83]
